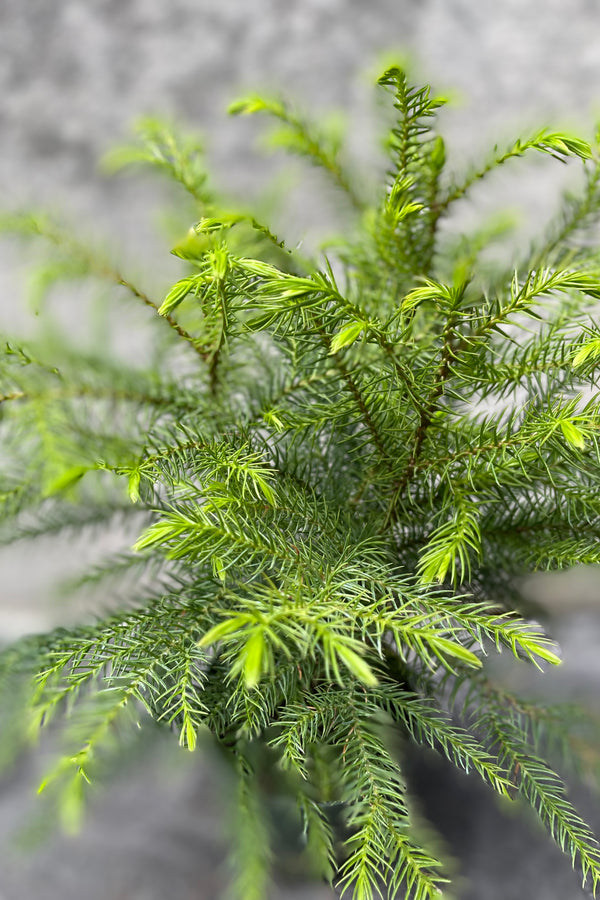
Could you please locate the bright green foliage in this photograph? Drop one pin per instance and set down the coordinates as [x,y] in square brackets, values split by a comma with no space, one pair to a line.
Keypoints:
[337,472]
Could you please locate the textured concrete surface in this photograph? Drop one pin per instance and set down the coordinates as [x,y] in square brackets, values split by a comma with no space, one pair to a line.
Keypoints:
[72,76]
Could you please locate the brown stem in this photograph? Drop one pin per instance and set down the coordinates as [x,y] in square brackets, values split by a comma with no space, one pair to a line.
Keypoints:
[425,419]
[119,279]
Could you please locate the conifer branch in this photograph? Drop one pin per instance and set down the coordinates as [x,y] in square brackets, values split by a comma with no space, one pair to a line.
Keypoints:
[136,292]
[84,260]
[545,792]
[558,145]
[302,138]
[331,512]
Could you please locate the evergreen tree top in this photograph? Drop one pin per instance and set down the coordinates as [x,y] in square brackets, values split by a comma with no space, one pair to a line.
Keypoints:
[338,470]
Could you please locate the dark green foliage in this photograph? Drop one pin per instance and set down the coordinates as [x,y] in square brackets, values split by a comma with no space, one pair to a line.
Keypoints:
[337,471]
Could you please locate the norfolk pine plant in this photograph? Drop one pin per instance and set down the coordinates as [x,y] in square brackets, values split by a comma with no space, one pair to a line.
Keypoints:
[338,472]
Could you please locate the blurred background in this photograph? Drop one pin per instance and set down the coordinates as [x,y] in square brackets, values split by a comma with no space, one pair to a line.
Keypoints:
[73,76]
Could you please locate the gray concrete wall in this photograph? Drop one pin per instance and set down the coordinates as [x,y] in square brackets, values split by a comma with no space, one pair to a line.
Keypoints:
[72,76]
